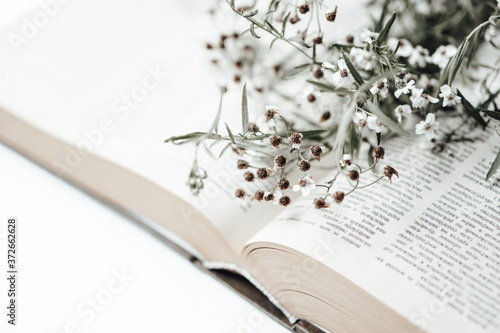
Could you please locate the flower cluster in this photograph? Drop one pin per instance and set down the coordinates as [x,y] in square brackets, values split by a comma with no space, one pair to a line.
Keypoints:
[336,94]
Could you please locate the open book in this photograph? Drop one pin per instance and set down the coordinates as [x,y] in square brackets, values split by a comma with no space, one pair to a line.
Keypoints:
[420,255]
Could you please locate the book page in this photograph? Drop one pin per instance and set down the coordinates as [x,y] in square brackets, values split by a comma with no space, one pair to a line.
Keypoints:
[428,245]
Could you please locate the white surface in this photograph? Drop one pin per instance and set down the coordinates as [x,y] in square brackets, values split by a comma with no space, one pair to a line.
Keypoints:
[70,248]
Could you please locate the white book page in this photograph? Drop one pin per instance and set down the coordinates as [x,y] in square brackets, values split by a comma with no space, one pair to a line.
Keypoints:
[428,245]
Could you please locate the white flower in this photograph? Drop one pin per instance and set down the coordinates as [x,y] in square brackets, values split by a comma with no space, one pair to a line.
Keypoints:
[490,33]
[443,54]
[359,119]
[363,59]
[420,99]
[406,89]
[346,160]
[327,65]
[343,78]
[306,185]
[419,56]
[367,36]
[405,48]
[427,127]
[380,87]
[449,98]
[402,110]
[375,124]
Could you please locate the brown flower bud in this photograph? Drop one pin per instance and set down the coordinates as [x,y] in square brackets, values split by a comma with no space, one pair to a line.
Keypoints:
[269,197]
[325,116]
[304,8]
[296,138]
[238,64]
[331,16]
[276,140]
[240,193]
[311,98]
[338,196]
[389,172]
[283,183]
[378,153]
[249,176]
[238,150]
[242,164]
[263,173]
[294,19]
[237,78]
[304,165]
[209,46]
[320,203]
[252,127]
[259,195]
[271,113]
[353,175]
[285,200]
[349,39]
[316,152]
[318,39]
[280,161]
[277,69]
[318,74]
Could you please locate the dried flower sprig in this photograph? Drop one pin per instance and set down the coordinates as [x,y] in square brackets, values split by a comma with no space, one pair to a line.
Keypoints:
[349,91]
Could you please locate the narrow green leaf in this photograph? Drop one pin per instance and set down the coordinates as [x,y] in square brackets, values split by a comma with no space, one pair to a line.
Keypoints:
[353,70]
[230,134]
[495,114]
[244,111]
[474,48]
[285,21]
[472,111]
[454,64]
[194,136]
[224,149]
[330,88]
[371,160]
[494,166]
[272,42]
[252,13]
[272,27]
[300,41]
[391,124]
[252,31]
[384,33]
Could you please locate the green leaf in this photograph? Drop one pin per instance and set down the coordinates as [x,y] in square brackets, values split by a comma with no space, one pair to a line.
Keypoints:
[230,134]
[472,111]
[252,13]
[330,88]
[454,64]
[391,124]
[474,48]
[285,21]
[494,166]
[371,160]
[194,136]
[272,42]
[244,111]
[495,114]
[225,149]
[299,41]
[252,30]
[272,27]
[384,33]
[353,70]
